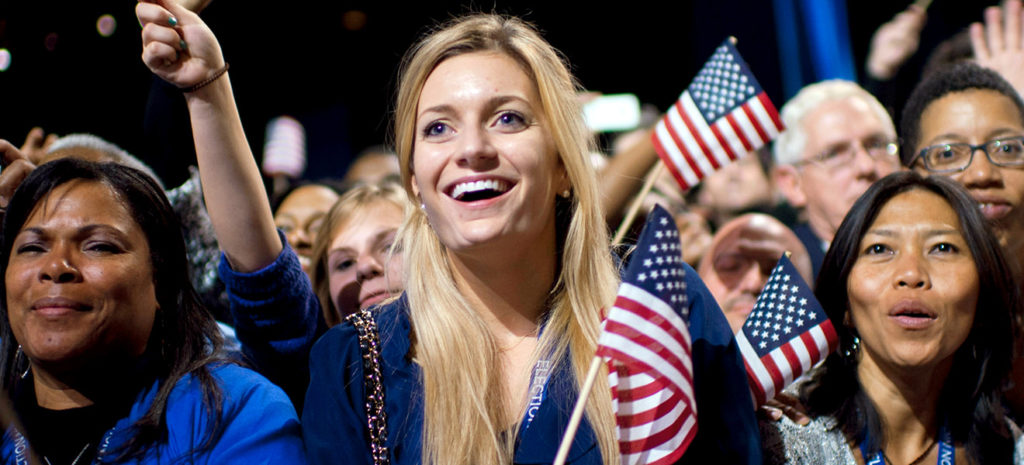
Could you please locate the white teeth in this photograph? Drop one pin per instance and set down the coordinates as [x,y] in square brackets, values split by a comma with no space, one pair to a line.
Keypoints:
[476,186]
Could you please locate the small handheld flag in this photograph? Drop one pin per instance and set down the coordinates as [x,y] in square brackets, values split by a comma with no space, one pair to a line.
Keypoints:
[785,335]
[646,343]
[723,115]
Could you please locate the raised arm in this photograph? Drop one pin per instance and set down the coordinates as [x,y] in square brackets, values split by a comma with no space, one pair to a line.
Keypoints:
[182,50]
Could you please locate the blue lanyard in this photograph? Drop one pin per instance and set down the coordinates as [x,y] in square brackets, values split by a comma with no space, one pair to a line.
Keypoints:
[947,454]
[21,446]
[538,386]
[538,390]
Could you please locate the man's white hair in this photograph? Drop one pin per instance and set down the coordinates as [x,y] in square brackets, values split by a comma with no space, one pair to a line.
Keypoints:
[789,146]
[111,150]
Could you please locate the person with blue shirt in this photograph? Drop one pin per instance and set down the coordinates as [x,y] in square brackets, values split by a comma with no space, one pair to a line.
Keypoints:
[507,272]
[106,349]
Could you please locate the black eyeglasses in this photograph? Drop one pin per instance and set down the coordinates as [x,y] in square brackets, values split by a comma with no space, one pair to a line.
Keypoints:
[953,158]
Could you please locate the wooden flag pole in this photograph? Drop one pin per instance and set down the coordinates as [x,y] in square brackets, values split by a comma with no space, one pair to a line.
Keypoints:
[577,411]
[638,202]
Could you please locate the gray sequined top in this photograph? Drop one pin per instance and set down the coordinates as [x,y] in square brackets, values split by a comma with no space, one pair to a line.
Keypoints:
[822,443]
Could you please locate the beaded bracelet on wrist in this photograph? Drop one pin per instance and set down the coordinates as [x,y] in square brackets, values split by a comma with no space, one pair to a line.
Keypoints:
[207,81]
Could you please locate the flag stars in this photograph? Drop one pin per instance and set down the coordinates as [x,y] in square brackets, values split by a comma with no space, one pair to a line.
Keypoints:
[641,277]
[648,262]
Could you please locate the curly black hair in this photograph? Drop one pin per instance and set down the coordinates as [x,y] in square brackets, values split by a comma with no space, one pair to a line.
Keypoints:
[955,78]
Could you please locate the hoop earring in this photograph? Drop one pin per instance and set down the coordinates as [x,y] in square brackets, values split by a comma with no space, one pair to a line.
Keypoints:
[19,356]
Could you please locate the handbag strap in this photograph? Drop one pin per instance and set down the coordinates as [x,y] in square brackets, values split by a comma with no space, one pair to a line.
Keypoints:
[376,418]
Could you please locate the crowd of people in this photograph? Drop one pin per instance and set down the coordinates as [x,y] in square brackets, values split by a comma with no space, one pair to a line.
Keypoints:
[443,302]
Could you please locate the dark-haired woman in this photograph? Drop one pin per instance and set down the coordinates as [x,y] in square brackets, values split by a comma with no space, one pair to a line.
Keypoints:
[967,123]
[923,300]
[106,349]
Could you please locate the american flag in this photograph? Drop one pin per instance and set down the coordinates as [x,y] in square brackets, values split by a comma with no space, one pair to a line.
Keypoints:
[723,115]
[647,346]
[785,335]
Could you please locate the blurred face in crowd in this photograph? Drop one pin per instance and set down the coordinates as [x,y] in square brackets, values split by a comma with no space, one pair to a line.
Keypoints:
[736,187]
[977,117]
[360,269]
[741,258]
[371,168]
[847,148]
[299,216]
[914,287]
[79,280]
[484,164]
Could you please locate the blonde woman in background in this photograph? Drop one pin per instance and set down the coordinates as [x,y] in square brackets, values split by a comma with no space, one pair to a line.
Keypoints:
[353,264]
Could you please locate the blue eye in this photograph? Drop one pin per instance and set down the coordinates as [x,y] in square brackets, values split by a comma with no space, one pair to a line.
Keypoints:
[512,120]
[435,129]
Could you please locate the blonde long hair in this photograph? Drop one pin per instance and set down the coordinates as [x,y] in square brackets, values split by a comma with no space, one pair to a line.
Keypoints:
[464,407]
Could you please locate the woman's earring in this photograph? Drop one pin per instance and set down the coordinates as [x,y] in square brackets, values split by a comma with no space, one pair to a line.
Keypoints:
[851,351]
[19,358]
[565,194]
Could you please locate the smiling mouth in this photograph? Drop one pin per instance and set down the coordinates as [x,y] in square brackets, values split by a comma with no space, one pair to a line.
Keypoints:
[994,210]
[484,189]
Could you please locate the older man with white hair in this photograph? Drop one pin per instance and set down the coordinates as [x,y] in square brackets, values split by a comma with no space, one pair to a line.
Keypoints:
[838,140]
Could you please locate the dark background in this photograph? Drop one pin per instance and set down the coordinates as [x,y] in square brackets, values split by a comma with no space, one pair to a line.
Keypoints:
[317,62]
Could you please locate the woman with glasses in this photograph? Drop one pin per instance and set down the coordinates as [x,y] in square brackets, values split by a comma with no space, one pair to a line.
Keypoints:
[967,123]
